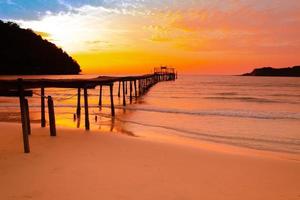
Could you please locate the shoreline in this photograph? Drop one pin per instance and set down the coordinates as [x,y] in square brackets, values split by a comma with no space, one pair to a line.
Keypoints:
[92,165]
[177,140]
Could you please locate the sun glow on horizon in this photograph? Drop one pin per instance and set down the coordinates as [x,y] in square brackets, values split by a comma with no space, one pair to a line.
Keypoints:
[198,37]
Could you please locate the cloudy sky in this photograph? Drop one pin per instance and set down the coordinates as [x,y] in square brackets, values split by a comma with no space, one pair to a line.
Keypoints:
[196,36]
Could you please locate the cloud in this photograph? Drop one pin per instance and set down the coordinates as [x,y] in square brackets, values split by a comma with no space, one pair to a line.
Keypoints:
[171,28]
[43,34]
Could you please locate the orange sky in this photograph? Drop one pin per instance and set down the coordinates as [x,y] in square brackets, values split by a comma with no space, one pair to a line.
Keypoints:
[205,37]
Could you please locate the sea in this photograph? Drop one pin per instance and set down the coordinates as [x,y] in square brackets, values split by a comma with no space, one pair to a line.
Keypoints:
[260,113]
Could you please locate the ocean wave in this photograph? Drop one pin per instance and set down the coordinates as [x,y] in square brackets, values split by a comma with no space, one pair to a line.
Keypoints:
[275,144]
[218,113]
[224,113]
[251,99]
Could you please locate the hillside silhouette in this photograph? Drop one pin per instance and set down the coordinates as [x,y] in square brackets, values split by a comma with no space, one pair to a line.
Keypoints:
[269,71]
[23,52]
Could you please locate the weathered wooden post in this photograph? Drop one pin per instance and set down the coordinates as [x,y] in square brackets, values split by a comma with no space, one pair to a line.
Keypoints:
[130,91]
[86,109]
[139,81]
[100,96]
[119,91]
[23,117]
[27,116]
[51,116]
[141,86]
[78,102]
[112,106]
[135,89]
[126,87]
[43,118]
[124,95]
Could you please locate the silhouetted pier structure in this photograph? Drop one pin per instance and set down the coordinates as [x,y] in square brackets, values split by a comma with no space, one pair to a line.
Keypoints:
[23,88]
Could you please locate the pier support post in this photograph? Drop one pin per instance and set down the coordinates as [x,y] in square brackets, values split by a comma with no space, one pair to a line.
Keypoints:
[100,96]
[141,86]
[139,82]
[135,89]
[130,91]
[51,116]
[27,116]
[124,95]
[86,109]
[119,91]
[112,106]
[23,117]
[43,118]
[78,102]
[126,87]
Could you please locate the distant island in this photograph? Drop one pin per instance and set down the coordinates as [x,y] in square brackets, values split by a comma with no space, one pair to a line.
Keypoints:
[23,52]
[269,71]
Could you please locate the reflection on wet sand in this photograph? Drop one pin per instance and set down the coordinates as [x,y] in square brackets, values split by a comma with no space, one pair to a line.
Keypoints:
[103,122]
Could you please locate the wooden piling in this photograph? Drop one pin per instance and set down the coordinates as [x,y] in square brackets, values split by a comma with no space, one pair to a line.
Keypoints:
[126,87]
[27,116]
[124,95]
[23,117]
[130,91]
[86,109]
[135,89]
[119,91]
[43,118]
[51,116]
[112,106]
[78,102]
[100,96]
[139,87]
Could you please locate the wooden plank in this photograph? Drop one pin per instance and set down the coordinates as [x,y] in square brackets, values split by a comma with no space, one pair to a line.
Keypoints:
[15,93]
[86,109]
[51,116]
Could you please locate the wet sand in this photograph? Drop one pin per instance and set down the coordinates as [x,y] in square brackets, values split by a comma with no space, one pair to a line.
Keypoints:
[97,165]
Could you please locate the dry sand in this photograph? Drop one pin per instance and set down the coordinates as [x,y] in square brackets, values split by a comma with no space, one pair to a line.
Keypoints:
[90,165]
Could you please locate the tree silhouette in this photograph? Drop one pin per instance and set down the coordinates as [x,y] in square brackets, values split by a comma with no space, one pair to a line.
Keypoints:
[24,52]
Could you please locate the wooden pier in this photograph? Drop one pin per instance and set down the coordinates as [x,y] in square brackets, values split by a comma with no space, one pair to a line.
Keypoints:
[23,88]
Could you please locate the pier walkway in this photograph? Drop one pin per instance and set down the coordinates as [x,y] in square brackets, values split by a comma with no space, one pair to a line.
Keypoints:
[23,88]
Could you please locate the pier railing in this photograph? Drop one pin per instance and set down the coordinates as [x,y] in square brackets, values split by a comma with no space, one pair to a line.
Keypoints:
[22,88]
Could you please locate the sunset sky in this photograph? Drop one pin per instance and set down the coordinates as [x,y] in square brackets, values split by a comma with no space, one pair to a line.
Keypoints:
[195,36]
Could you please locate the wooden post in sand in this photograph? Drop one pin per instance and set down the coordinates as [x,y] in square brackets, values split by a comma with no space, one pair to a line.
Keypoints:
[100,96]
[135,89]
[78,112]
[119,91]
[23,117]
[51,116]
[130,91]
[27,116]
[112,106]
[140,87]
[43,118]
[86,109]
[124,95]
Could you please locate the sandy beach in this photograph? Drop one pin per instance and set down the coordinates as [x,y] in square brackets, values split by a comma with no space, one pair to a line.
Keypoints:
[94,165]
